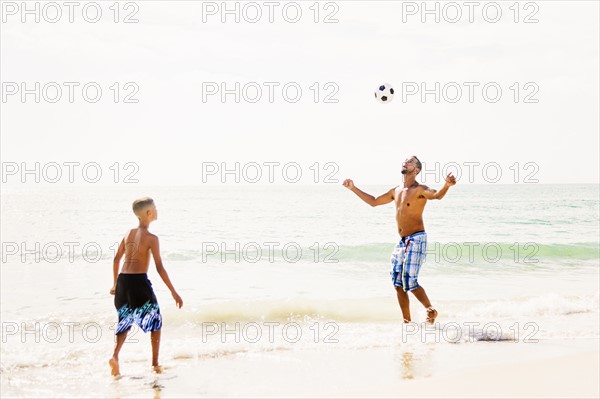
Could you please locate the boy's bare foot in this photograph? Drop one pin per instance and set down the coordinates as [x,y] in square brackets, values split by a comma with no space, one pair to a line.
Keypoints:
[157,369]
[114,366]
[431,315]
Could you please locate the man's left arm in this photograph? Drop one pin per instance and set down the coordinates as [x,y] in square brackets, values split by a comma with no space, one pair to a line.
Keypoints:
[430,193]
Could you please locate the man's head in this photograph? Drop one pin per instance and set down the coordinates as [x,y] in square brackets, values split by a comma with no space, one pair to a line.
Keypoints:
[145,209]
[411,166]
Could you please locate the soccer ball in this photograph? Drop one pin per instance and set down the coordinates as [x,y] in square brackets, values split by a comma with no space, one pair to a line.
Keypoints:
[384,93]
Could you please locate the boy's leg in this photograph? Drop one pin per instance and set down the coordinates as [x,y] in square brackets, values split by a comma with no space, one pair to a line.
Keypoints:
[404,303]
[155,339]
[114,361]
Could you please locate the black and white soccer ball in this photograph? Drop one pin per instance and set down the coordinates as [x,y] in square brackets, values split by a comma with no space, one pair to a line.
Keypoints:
[384,93]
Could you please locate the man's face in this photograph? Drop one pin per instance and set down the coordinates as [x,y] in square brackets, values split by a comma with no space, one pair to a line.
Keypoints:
[409,166]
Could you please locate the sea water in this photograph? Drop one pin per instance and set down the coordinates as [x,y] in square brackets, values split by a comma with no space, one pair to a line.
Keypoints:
[512,269]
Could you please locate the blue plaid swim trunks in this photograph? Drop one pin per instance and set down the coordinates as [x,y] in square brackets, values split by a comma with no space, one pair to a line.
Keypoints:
[406,260]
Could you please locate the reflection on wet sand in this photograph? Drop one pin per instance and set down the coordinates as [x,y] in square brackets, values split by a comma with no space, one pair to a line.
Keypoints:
[406,361]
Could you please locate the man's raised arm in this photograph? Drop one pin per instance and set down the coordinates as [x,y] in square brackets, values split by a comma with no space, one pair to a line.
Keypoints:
[368,198]
[430,193]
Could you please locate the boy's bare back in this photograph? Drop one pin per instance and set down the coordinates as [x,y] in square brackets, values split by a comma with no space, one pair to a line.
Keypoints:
[138,244]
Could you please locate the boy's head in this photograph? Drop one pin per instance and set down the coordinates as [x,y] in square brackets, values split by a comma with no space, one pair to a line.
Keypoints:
[145,209]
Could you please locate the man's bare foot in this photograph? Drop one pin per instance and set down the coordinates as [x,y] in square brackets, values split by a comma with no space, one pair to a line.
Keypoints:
[157,369]
[114,366]
[431,315]
[406,321]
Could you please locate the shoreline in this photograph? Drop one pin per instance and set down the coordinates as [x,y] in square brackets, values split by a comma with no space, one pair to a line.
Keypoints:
[379,373]
[548,368]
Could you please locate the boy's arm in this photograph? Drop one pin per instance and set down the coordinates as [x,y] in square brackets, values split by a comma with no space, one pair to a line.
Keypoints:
[430,193]
[154,247]
[116,263]
[368,198]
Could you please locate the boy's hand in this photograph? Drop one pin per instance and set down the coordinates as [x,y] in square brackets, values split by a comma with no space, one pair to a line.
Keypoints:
[348,183]
[112,290]
[178,300]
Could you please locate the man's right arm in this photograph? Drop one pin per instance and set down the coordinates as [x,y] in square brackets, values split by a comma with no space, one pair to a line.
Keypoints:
[368,198]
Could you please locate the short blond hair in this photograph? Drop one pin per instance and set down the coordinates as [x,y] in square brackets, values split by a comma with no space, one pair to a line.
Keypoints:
[141,204]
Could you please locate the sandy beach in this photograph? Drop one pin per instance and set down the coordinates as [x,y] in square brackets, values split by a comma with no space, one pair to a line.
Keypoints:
[375,373]
[573,376]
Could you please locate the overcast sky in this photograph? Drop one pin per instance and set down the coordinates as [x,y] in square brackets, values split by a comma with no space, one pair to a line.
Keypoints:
[173,58]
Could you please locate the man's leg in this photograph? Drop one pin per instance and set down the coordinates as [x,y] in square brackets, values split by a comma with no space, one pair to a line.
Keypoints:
[404,303]
[155,340]
[421,295]
[114,361]
[414,258]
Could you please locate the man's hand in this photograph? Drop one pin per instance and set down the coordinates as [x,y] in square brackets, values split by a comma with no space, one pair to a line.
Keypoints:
[112,290]
[349,184]
[178,300]
[432,194]
[450,180]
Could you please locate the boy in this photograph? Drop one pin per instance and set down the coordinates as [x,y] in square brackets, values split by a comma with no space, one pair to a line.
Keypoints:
[134,299]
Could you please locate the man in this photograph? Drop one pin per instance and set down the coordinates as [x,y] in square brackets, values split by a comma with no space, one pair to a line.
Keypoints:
[410,200]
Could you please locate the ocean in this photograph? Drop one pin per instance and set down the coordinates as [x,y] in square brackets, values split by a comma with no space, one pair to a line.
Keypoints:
[268,273]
